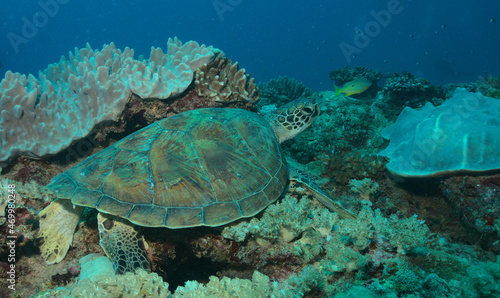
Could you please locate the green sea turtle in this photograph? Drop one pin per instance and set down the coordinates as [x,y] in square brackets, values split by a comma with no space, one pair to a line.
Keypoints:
[205,167]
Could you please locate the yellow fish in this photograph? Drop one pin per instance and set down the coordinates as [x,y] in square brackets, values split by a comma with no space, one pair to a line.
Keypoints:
[353,87]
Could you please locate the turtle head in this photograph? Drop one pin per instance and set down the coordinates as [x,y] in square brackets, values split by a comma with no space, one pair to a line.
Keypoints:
[292,118]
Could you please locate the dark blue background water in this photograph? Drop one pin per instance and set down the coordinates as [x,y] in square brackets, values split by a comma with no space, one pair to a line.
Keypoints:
[444,41]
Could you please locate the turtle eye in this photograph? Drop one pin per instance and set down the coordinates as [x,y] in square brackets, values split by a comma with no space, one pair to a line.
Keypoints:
[307,110]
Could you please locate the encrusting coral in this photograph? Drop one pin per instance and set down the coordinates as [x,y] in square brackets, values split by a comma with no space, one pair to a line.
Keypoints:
[222,81]
[45,115]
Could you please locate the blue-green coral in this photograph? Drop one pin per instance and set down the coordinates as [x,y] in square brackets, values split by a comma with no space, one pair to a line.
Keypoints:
[342,245]
[481,280]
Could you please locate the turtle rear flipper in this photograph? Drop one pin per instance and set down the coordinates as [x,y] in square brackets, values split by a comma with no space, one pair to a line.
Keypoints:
[122,244]
[57,225]
[302,178]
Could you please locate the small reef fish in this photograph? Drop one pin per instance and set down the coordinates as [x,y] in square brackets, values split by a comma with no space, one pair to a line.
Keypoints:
[353,87]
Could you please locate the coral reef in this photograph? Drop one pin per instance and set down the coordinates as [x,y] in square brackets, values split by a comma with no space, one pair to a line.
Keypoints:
[392,255]
[344,138]
[223,82]
[477,200]
[482,280]
[45,115]
[418,237]
[97,279]
[258,286]
[366,188]
[306,232]
[494,87]
[406,89]
[31,192]
[281,91]
[347,74]
[38,171]
[299,245]
[489,87]
[357,164]
[477,86]
[402,235]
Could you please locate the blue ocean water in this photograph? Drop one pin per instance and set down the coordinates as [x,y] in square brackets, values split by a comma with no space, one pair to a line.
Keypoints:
[444,41]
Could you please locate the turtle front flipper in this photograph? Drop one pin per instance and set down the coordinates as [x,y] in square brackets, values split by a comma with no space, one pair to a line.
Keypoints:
[302,178]
[58,222]
[122,244]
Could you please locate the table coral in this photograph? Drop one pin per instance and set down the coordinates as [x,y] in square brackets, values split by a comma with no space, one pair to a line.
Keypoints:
[463,134]
[45,115]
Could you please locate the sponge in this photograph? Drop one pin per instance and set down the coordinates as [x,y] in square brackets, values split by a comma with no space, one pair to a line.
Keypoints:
[57,225]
